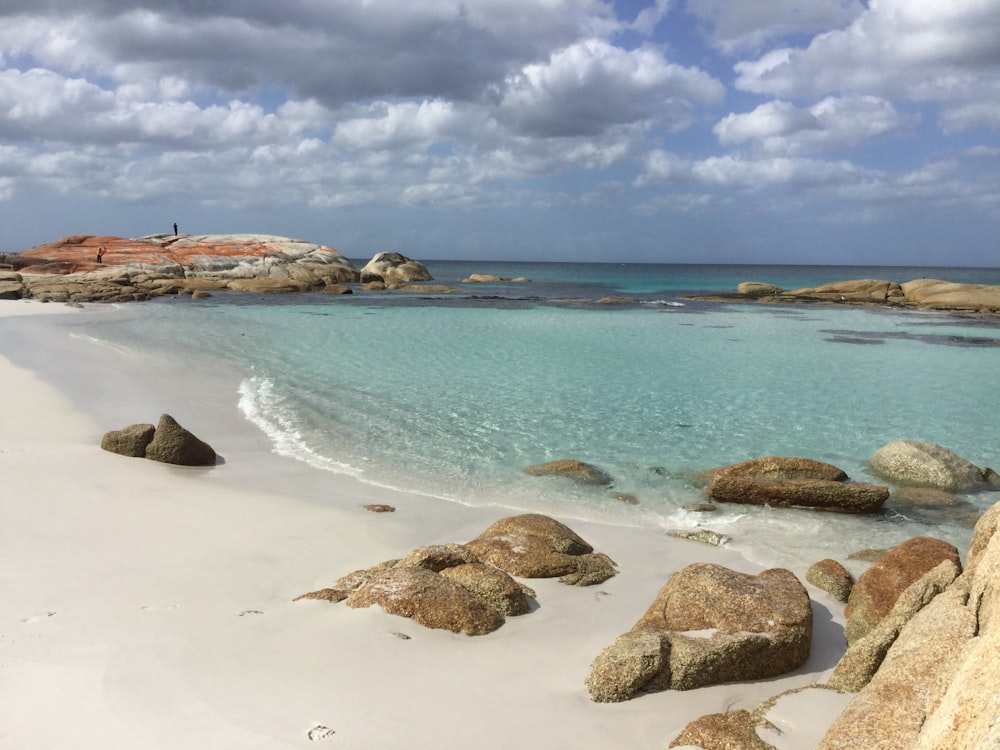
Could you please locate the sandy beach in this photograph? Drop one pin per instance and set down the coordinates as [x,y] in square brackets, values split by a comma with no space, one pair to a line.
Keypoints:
[150,606]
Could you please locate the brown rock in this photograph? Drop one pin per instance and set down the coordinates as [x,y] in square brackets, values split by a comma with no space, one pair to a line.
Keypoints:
[536,546]
[494,587]
[129,441]
[877,589]
[854,290]
[815,494]
[732,730]
[832,577]
[758,289]
[429,599]
[578,471]
[721,626]
[780,468]
[437,557]
[864,656]
[173,444]
[633,663]
[380,508]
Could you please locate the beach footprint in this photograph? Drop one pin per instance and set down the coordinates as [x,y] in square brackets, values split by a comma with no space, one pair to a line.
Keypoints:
[159,607]
[39,618]
[320,732]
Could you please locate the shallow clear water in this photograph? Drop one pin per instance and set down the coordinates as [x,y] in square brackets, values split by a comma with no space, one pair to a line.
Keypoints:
[453,395]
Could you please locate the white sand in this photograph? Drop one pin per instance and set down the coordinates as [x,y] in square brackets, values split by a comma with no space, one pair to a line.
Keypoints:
[150,606]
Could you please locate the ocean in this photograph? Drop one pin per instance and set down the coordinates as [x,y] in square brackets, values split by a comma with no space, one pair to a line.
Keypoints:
[452,395]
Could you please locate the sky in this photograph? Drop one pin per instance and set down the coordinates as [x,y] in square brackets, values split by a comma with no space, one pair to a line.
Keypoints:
[675,131]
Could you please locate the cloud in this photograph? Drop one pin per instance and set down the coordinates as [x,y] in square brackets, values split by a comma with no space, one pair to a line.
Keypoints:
[781,128]
[921,50]
[591,85]
[747,25]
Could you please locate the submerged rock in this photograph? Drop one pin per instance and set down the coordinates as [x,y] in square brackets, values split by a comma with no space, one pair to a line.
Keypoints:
[913,462]
[578,471]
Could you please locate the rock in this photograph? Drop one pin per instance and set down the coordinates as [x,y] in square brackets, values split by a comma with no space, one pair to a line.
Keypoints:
[758,289]
[945,295]
[129,441]
[212,255]
[494,587]
[394,268]
[578,471]
[721,626]
[890,711]
[855,290]
[831,577]
[877,589]
[481,278]
[337,289]
[634,662]
[379,508]
[912,462]
[703,536]
[625,497]
[731,730]
[437,557]
[700,507]
[429,599]
[439,586]
[536,546]
[781,468]
[172,444]
[864,656]
[967,713]
[817,494]
[11,289]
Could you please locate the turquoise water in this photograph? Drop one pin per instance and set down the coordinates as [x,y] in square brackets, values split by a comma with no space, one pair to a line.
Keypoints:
[453,395]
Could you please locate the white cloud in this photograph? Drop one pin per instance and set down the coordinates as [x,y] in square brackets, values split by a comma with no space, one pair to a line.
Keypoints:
[588,86]
[922,50]
[780,128]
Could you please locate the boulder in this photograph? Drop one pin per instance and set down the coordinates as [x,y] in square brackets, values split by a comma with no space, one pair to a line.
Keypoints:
[731,730]
[781,468]
[945,295]
[536,546]
[429,599]
[864,656]
[758,289]
[714,625]
[172,444]
[442,586]
[878,588]
[129,441]
[578,471]
[394,268]
[889,713]
[912,462]
[831,577]
[854,290]
[816,494]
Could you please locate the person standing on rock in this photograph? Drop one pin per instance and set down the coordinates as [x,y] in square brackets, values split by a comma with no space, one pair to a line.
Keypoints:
[175,229]
[100,254]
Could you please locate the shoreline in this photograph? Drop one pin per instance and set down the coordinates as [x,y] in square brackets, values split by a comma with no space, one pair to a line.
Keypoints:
[150,606]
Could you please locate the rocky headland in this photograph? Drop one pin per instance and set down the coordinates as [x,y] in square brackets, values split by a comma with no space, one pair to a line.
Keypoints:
[71,269]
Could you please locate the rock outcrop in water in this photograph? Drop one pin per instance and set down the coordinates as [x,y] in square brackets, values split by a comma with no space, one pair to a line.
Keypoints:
[69,270]
[925,294]
[920,464]
[791,482]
